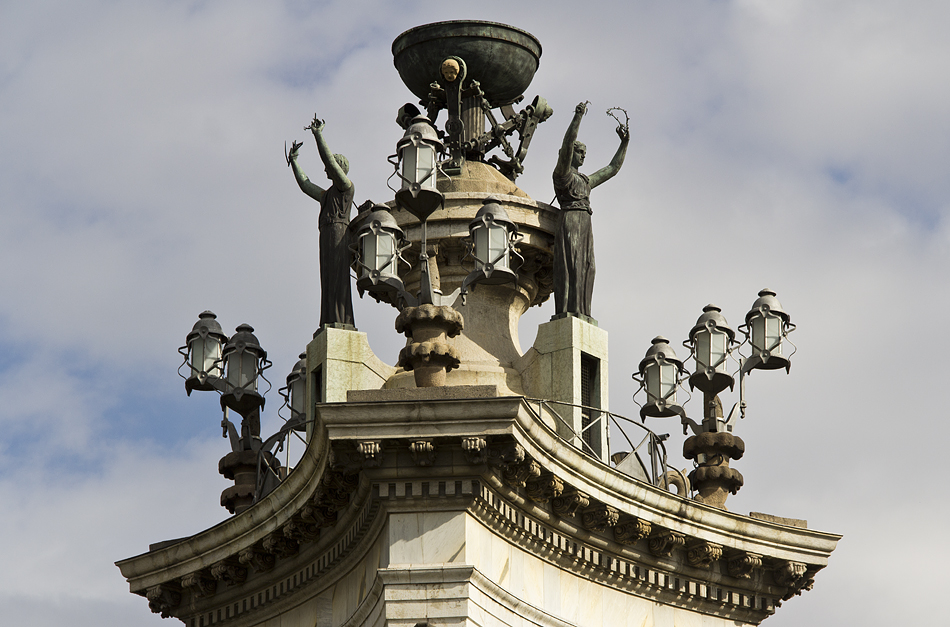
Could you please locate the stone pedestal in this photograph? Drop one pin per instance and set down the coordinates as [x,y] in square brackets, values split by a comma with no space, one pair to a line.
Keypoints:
[568,363]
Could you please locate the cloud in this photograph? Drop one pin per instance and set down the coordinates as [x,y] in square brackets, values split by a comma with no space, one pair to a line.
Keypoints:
[793,144]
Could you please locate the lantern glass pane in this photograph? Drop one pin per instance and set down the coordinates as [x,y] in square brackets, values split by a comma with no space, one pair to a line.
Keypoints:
[767,334]
[417,163]
[717,350]
[491,245]
[298,394]
[660,382]
[385,249]
[773,333]
[242,370]
[204,353]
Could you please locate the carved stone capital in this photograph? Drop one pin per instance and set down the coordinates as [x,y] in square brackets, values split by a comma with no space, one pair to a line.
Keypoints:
[260,561]
[202,583]
[476,450]
[280,545]
[788,573]
[569,502]
[598,517]
[632,529]
[163,599]
[741,565]
[505,453]
[516,475]
[423,452]
[230,572]
[544,488]
[701,554]
[372,453]
[664,541]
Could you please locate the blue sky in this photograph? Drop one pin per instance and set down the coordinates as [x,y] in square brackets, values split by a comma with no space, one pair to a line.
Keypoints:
[796,144]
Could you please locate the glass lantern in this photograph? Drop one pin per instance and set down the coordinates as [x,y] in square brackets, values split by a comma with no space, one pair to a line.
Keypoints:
[418,152]
[767,325]
[659,372]
[203,355]
[242,358]
[492,236]
[710,342]
[379,244]
[295,394]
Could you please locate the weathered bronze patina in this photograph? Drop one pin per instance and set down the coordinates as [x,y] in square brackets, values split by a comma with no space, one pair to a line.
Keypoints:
[336,302]
[574,239]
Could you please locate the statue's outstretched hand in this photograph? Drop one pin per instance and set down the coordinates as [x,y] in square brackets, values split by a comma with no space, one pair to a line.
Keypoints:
[623,132]
[316,126]
[294,149]
[581,107]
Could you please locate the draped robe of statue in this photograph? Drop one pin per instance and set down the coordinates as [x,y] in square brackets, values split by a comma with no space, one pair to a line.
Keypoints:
[336,302]
[573,245]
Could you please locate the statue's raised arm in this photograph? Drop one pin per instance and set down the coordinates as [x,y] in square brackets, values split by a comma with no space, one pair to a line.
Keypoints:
[334,164]
[307,186]
[611,169]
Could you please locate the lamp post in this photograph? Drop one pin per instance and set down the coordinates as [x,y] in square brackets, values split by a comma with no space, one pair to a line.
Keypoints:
[711,342]
[233,367]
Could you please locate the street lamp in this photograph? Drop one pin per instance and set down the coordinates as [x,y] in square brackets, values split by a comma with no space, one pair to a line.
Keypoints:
[202,351]
[710,342]
[766,325]
[492,236]
[379,246]
[660,375]
[417,165]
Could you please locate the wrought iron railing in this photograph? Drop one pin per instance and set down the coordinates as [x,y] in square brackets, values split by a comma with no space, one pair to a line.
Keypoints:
[649,452]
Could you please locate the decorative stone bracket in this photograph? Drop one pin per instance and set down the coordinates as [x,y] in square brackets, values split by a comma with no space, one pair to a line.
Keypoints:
[631,530]
[163,599]
[664,541]
[423,452]
[701,554]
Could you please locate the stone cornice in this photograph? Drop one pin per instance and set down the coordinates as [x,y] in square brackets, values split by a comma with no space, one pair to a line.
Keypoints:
[238,533]
[499,442]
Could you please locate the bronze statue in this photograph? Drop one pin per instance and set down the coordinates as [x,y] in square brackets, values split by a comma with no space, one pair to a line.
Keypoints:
[336,303]
[574,239]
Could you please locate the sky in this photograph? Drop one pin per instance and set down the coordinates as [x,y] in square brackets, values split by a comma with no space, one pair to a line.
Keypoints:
[800,145]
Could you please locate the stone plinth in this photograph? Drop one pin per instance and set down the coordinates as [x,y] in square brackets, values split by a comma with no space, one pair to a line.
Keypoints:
[566,351]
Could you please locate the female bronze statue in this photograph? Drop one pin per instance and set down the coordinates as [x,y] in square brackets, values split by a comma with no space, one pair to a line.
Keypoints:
[574,239]
[336,303]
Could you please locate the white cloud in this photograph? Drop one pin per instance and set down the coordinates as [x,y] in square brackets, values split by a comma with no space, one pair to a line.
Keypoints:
[798,145]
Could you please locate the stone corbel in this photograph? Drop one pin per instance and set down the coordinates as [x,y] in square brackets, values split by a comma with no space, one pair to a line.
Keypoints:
[318,515]
[202,583]
[742,564]
[261,561]
[516,475]
[372,453]
[229,571]
[787,574]
[569,502]
[301,530]
[701,554]
[664,541]
[505,453]
[280,545]
[423,452]
[631,530]
[544,488]
[163,599]
[476,450]
[598,517]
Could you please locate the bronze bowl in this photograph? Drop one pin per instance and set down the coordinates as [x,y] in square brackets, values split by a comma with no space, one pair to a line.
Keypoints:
[503,59]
